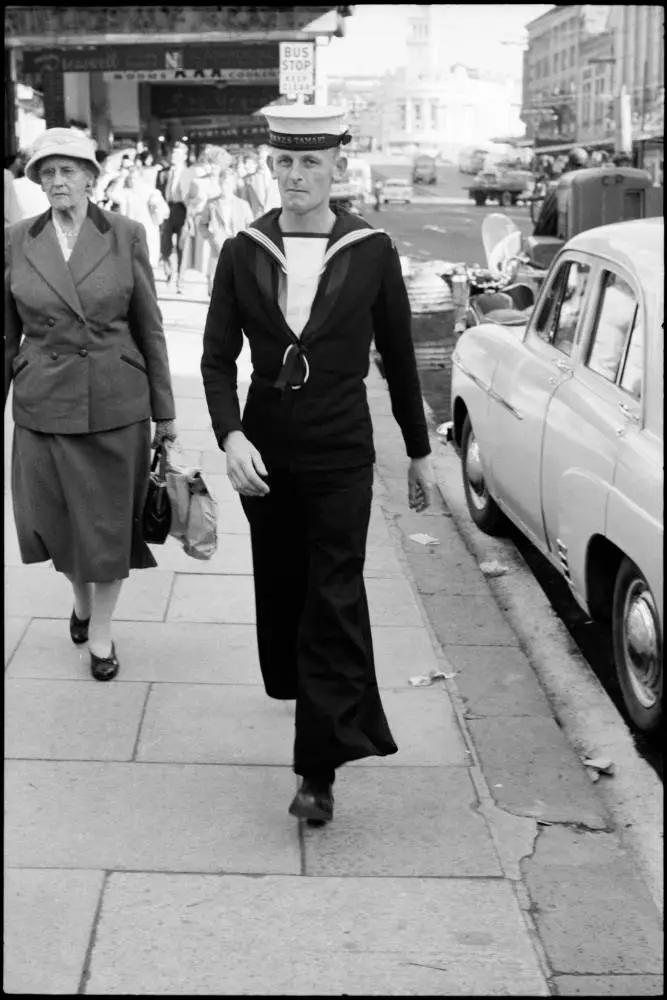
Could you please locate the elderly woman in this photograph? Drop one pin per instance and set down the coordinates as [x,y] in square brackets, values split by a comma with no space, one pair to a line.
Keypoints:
[85,350]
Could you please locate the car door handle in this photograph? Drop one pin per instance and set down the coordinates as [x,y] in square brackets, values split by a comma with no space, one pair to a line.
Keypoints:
[628,413]
[564,367]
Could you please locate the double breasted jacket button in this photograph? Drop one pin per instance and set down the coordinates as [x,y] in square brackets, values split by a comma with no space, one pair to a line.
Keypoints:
[83,352]
[54,355]
[51,321]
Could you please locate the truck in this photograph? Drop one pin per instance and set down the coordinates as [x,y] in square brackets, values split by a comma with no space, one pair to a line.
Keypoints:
[424,170]
[507,187]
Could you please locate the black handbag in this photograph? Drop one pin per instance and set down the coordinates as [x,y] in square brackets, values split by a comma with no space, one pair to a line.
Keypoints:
[157,509]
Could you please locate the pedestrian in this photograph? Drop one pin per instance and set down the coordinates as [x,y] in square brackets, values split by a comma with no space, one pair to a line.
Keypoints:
[86,353]
[310,287]
[250,186]
[547,221]
[173,185]
[11,204]
[377,190]
[31,199]
[142,203]
[223,216]
[265,183]
[202,186]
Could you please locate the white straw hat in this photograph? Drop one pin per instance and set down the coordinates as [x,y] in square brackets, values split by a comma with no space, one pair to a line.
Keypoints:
[306,126]
[69,142]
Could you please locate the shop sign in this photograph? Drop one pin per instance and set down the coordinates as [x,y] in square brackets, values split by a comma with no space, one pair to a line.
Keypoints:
[171,101]
[220,56]
[170,75]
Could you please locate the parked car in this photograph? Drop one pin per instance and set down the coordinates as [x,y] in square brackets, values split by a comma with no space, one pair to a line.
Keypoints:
[397,189]
[559,427]
[507,187]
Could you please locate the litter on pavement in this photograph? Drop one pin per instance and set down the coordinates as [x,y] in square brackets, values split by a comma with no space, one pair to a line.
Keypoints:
[424,539]
[601,765]
[493,568]
[427,679]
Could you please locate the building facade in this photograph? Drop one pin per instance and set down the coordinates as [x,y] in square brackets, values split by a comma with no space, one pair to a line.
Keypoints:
[580,62]
[138,73]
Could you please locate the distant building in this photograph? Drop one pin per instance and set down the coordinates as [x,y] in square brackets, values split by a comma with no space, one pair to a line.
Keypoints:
[437,102]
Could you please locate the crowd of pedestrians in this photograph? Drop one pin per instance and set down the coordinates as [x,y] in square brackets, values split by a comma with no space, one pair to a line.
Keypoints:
[188,202]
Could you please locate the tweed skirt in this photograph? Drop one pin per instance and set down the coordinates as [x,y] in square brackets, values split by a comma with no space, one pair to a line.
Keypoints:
[78,500]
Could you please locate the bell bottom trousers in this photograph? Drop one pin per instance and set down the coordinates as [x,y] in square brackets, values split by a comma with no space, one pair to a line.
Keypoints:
[308,540]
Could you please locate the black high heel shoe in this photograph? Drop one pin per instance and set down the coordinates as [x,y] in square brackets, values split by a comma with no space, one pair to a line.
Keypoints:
[104,668]
[78,629]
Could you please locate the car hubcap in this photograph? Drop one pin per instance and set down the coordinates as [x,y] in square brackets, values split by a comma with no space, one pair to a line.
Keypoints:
[475,475]
[641,644]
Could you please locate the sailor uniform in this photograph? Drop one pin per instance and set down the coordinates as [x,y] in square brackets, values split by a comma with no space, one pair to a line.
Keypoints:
[307,414]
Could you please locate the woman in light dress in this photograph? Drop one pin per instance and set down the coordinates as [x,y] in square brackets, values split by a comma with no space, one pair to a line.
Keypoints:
[203,187]
[141,201]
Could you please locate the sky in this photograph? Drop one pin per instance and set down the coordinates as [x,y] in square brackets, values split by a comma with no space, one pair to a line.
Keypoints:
[375,38]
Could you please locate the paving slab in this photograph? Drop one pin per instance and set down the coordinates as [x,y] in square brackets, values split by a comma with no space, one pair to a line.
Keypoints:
[192,414]
[533,771]
[310,937]
[613,925]
[72,720]
[212,599]
[15,629]
[203,439]
[231,519]
[401,653]
[233,557]
[47,924]
[382,559]
[609,986]
[419,822]
[468,621]
[423,724]
[497,681]
[187,387]
[151,817]
[234,725]
[144,595]
[166,652]
[392,602]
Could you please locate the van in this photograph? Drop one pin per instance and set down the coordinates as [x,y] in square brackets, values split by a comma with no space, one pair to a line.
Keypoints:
[424,170]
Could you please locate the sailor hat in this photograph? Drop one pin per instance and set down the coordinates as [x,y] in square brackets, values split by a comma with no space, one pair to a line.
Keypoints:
[306,126]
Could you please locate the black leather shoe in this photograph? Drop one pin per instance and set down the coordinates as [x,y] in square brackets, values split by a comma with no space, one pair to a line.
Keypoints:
[78,629]
[104,668]
[313,802]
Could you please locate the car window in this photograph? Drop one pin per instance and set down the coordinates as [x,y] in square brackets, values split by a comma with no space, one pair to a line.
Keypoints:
[632,376]
[614,322]
[559,314]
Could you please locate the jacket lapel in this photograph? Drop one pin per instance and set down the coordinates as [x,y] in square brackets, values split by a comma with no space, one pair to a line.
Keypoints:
[44,253]
[90,249]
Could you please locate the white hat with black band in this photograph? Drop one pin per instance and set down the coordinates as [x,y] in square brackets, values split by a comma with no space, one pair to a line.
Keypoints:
[306,126]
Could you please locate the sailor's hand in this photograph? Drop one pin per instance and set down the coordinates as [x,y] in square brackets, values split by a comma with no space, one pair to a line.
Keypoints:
[421,484]
[245,467]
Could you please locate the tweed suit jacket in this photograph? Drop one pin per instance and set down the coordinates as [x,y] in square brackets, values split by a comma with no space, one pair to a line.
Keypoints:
[84,344]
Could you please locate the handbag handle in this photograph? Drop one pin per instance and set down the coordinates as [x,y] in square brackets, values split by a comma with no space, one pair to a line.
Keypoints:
[161,457]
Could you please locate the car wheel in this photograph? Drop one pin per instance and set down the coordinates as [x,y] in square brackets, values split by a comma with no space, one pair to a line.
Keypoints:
[482,507]
[480,200]
[637,647]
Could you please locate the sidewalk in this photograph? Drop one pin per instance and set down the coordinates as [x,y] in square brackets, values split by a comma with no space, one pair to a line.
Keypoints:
[148,848]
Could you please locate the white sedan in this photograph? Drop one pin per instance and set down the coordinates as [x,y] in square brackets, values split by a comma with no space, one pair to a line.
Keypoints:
[559,427]
[397,189]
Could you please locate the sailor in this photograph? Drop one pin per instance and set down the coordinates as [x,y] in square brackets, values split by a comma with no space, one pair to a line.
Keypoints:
[310,288]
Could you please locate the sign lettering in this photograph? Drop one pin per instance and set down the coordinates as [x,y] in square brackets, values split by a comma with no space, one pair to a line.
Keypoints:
[297,68]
